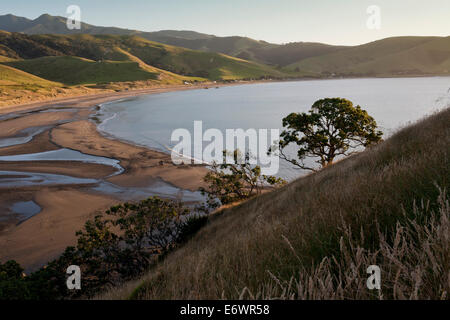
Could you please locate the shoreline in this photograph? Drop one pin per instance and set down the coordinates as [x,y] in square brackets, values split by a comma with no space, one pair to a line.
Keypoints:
[90,100]
[108,95]
[105,96]
[44,236]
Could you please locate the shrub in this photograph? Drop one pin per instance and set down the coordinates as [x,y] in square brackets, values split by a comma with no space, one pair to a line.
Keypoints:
[233,182]
[111,248]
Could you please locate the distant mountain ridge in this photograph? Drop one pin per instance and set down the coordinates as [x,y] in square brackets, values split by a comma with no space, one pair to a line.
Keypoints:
[241,47]
[47,24]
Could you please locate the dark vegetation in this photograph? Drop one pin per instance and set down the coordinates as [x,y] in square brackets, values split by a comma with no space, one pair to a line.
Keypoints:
[113,247]
[130,238]
[240,180]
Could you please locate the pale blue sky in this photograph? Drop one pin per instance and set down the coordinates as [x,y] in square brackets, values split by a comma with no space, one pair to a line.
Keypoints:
[278,21]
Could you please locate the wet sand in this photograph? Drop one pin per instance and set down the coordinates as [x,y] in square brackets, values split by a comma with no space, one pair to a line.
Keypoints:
[141,164]
[40,143]
[45,236]
[69,168]
[65,208]
[13,127]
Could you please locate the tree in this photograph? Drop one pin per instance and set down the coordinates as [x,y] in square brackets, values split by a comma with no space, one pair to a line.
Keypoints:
[111,248]
[151,224]
[233,182]
[122,243]
[333,127]
[12,286]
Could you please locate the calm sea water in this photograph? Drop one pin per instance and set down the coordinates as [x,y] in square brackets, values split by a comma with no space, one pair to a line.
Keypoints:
[149,120]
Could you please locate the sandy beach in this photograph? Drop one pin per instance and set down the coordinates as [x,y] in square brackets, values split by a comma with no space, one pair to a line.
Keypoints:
[65,208]
[95,97]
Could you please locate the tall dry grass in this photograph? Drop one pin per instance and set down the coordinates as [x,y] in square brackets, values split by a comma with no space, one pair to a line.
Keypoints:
[315,238]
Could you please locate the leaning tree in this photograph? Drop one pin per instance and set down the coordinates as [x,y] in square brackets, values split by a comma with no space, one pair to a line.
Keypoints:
[333,127]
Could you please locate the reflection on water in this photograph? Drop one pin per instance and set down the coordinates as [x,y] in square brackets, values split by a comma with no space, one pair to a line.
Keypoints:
[158,188]
[23,136]
[65,155]
[11,179]
[26,209]
[26,135]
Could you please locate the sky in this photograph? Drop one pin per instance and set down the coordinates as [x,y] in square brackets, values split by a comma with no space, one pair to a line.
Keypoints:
[342,22]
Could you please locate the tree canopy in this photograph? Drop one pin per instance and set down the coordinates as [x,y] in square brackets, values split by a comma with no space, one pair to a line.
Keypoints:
[233,182]
[333,127]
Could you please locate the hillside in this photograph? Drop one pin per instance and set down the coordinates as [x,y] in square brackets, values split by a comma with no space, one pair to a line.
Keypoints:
[181,61]
[10,77]
[47,24]
[19,87]
[74,70]
[314,238]
[387,57]
[240,47]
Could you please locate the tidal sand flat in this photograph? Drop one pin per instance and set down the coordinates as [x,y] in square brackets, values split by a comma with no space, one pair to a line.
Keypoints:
[66,163]
[45,235]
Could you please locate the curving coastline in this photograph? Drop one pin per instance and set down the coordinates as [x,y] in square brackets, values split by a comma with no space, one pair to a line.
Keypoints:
[67,125]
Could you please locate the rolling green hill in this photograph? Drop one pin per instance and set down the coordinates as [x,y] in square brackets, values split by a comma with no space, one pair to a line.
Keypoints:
[74,70]
[250,49]
[387,57]
[11,77]
[316,237]
[108,48]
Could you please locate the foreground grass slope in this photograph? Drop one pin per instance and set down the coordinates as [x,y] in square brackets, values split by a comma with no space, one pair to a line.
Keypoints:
[315,238]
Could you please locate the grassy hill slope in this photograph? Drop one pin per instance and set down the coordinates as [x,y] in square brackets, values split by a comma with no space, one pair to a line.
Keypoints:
[392,56]
[250,49]
[176,60]
[11,77]
[164,76]
[74,70]
[315,238]
[5,59]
